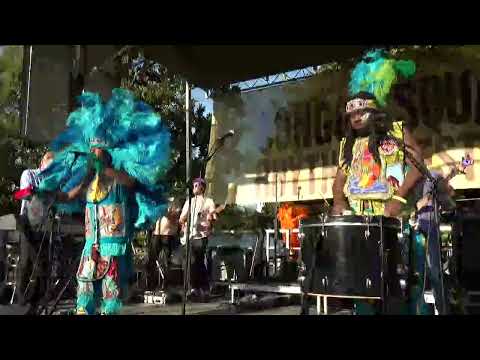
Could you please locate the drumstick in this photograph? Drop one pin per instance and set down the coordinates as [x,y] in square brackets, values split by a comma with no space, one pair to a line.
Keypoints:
[324,199]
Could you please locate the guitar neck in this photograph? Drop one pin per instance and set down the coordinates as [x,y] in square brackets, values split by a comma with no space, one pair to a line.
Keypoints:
[452,174]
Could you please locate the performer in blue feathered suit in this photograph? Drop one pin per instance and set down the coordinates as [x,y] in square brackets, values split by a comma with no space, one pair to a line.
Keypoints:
[117,152]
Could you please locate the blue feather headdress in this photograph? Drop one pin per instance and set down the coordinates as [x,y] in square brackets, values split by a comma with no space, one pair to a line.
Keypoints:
[135,138]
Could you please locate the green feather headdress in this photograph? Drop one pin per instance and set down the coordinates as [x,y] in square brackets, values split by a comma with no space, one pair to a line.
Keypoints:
[376,74]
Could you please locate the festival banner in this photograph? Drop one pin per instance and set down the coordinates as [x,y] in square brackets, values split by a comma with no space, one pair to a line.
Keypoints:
[287,136]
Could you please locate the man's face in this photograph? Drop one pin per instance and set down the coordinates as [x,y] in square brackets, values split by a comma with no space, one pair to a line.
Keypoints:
[101,155]
[97,152]
[174,210]
[359,119]
[46,160]
[198,188]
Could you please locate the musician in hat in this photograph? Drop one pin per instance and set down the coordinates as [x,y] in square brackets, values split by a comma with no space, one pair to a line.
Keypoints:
[202,215]
[428,239]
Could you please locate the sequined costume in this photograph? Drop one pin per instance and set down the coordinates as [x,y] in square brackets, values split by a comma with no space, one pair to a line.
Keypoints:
[138,145]
[369,184]
[372,157]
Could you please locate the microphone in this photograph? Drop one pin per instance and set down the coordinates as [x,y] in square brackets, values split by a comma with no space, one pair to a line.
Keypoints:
[230,133]
[78,153]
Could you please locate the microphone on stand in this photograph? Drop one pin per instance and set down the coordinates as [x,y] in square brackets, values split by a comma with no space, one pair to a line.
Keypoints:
[79,153]
[221,143]
[230,133]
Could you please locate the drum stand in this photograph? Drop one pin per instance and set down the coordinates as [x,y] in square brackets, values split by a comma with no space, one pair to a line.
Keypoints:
[305,303]
[308,288]
[53,229]
[436,224]
[53,221]
[71,276]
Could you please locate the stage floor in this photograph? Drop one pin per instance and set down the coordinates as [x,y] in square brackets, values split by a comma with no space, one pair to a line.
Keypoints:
[204,309]
[221,307]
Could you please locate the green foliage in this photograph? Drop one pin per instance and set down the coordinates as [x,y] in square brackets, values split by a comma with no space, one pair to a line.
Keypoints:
[165,92]
[10,90]
[16,153]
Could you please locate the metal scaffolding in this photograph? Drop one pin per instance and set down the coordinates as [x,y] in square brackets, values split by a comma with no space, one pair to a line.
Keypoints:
[277,79]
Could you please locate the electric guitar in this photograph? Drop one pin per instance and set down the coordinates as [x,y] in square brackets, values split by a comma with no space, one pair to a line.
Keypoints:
[466,162]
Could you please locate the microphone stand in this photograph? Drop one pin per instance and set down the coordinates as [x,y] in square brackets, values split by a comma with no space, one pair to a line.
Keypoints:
[209,157]
[435,224]
[188,255]
[216,148]
[52,215]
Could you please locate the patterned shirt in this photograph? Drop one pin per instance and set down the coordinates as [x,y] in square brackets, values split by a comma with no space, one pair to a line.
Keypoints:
[370,185]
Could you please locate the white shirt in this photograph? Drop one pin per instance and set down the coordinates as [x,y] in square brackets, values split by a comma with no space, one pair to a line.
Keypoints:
[200,208]
[29,178]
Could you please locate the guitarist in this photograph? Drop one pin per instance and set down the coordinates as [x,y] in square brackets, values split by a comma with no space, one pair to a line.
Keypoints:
[426,225]
[203,213]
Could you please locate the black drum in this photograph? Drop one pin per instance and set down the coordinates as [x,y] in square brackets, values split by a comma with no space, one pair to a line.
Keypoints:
[343,256]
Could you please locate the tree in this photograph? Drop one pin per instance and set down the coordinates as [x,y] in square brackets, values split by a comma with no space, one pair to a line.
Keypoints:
[16,152]
[154,84]
[10,89]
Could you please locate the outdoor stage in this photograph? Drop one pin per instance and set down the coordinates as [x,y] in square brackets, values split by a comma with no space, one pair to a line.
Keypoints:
[266,304]
[211,308]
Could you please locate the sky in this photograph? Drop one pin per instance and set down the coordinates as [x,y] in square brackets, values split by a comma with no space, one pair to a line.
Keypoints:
[200,96]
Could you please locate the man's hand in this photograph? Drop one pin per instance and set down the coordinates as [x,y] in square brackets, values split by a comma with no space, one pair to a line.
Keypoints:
[340,203]
[393,208]
[120,176]
[109,172]
[339,208]
[212,217]
[182,220]
[423,202]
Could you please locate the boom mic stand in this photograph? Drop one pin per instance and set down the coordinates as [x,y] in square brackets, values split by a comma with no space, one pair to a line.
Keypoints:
[186,281]
[435,222]
[54,222]
[215,149]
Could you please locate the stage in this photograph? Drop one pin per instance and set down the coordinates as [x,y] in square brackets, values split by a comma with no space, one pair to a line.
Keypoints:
[215,308]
